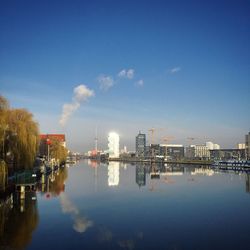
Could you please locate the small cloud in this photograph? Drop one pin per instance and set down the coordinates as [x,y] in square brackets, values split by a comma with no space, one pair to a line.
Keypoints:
[122,73]
[129,74]
[140,83]
[174,70]
[105,82]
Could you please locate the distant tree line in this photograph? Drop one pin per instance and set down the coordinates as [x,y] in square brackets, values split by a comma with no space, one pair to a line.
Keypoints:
[19,136]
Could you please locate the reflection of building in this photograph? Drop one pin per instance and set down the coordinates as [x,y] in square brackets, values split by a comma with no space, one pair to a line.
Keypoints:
[140,175]
[113,144]
[140,145]
[248,183]
[247,143]
[113,173]
[44,138]
[203,171]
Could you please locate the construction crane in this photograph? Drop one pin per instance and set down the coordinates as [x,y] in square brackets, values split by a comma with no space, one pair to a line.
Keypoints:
[191,139]
[153,130]
[166,139]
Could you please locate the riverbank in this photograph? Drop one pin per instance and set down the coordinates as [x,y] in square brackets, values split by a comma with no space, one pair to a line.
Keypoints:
[193,162]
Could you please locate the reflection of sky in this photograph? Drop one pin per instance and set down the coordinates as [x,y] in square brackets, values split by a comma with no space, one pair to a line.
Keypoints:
[182,211]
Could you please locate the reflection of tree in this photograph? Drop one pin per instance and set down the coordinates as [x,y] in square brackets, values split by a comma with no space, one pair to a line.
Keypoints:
[18,226]
[57,185]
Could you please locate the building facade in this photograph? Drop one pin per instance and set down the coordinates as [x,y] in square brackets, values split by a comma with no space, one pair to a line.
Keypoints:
[228,154]
[197,152]
[113,145]
[175,152]
[247,145]
[140,145]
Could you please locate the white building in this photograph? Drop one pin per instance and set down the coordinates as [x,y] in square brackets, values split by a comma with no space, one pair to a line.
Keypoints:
[241,146]
[210,145]
[113,145]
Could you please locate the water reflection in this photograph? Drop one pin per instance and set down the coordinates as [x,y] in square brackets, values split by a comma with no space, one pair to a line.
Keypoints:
[140,175]
[248,183]
[80,223]
[113,173]
[19,218]
[126,217]
[54,184]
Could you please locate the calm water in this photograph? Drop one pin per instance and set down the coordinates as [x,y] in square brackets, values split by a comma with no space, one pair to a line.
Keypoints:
[124,206]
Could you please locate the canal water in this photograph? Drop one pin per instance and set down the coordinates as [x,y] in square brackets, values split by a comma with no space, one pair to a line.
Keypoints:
[130,206]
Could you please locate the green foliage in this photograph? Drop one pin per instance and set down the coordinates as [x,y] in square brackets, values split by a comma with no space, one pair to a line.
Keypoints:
[19,136]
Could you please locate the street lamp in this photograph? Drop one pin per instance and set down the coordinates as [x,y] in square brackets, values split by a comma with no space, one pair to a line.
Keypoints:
[48,142]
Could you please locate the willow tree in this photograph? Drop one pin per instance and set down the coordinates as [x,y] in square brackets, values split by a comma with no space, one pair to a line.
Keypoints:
[57,151]
[19,136]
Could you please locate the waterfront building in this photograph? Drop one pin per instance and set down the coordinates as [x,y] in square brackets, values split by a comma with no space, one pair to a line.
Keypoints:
[241,146]
[210,145]
[155,150]
[247,143]
[197,152]
[140,145]
[113,145]
[228,154]
[175,151]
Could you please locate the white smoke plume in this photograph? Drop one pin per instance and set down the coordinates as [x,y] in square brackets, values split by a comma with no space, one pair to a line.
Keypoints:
[81,94]
[80,223]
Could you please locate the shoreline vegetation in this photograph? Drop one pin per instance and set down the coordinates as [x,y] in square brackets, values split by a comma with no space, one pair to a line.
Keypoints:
[19,137]
[20,141]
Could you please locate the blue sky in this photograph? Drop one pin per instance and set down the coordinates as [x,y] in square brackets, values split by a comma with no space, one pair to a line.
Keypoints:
[190,63]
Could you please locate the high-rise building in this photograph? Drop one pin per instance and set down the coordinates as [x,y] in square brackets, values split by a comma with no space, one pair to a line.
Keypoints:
[140,145]
[197,151]
[113,145]
[247,143]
